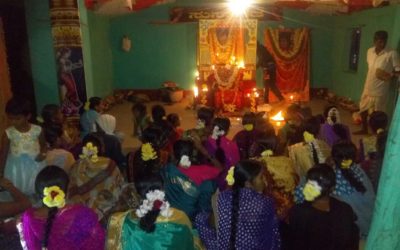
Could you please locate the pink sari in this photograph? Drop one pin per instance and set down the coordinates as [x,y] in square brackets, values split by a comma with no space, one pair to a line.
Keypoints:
[74,227]
[231,156]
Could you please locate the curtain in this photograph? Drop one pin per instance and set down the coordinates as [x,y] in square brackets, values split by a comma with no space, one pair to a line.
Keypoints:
[291,51]
[385,227]
[5,88]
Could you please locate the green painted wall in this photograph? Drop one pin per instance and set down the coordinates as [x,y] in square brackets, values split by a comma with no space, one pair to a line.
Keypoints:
[351,84]
[97,54]
[168,52]
[159,52]
[42,57]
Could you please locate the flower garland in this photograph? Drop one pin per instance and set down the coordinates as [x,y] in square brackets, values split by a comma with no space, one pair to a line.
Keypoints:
[54,197]
[232,106]
[298,37]
[224,85]
[221,53]
[155,200]
[89,152]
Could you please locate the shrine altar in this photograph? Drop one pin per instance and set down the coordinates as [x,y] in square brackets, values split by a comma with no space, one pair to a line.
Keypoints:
[226,63]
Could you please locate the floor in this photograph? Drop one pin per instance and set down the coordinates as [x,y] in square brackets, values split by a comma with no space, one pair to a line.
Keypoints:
[188,118]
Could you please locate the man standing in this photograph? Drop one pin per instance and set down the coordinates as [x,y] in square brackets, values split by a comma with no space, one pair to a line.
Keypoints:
[383,65]
[267,62]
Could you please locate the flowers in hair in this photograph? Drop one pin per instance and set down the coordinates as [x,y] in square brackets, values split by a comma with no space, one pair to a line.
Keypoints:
[185,161]
[380,130]
[87,106]
[230,179]
[89,152]
[217,132]
[200,124]
[148,152]
[155,200]
[311,190]
[54,197]
[248,127]
[345,164]
[267,153]
[308,137]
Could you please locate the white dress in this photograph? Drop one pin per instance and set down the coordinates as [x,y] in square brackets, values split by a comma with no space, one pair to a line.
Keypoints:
[21,167]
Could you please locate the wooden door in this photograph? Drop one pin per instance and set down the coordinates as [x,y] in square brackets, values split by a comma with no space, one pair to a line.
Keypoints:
[5,87]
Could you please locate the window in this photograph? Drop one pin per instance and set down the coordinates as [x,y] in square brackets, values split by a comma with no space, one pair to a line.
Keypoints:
[354,55]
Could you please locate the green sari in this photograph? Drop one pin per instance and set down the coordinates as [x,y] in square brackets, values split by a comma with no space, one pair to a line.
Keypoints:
[184,194]
[174,232]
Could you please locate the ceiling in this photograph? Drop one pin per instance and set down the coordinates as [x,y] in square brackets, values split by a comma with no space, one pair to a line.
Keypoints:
[328,7]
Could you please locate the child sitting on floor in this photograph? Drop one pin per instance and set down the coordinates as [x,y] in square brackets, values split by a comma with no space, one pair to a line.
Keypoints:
[93,108]
[175,121]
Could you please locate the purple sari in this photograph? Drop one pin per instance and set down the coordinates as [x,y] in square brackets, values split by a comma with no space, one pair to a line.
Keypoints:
[231,157]
[74,227]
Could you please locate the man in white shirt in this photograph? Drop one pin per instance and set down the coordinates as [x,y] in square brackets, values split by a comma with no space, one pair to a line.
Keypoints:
[383,65]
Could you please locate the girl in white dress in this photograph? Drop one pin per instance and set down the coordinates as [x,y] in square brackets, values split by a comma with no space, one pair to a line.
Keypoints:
[23,147]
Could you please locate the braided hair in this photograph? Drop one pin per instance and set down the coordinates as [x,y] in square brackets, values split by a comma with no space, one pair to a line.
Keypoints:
[245,171]
[343,151]
[312,126]
[143,186]
[223,124]
[50,176]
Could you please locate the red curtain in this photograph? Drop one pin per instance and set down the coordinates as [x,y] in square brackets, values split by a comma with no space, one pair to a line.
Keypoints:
[292,61]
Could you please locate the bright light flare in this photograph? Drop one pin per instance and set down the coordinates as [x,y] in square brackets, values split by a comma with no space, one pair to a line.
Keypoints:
[278,117]
[196,91]
[239,7]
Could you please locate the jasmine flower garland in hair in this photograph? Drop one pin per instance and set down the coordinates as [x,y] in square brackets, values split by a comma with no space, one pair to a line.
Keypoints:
[230,179]
[155,200]
[185,161]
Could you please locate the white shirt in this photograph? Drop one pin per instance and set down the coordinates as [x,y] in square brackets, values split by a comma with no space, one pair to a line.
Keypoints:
[387,60]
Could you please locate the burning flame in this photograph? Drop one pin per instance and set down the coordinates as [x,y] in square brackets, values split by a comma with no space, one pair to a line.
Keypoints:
[195,91]
[291,97]
[278,117]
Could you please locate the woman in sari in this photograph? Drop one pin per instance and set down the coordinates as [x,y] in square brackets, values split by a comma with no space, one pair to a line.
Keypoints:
[95,180]
[352,185]
[246,138]
[154,225]
[56,225]
[189,187]
[223,149]
[311,151]
[246,217]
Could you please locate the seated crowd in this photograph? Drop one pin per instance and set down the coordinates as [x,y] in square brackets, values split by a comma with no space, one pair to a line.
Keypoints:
[308,187]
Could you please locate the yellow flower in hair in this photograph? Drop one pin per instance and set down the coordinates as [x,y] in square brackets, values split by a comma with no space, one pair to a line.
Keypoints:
[89,152]
[267,153]
[229,177]
[248,127]
[87,106]
[311,190]
[308,137]
[345,164]
[54,197]
[148,152]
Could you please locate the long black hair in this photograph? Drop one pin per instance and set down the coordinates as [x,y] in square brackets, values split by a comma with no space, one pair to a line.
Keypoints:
[206,115]
[49,111]
[183,147]
[346,150]
[245,171]
[223,124]
[143,186]
[324,175]
[312,126]
[50,176]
